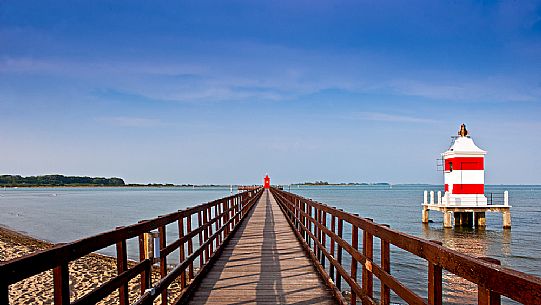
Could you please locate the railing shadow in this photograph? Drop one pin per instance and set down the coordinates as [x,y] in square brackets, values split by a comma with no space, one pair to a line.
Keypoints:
[270,262]
[225,256]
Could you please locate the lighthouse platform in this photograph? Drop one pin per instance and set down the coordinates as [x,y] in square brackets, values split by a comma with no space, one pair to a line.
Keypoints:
[468,213]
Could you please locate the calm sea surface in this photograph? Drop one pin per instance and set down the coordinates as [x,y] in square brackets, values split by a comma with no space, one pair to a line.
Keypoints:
[67,214]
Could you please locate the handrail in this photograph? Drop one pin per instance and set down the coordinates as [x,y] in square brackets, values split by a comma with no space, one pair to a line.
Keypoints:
[229,212]
[309,220]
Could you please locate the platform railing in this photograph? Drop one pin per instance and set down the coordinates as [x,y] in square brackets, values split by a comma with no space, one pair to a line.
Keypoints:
[314,223]
[216,223]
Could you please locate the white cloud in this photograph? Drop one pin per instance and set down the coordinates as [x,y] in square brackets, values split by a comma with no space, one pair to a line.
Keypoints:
[387,117]
[493,90]
[247,72]
[124,121]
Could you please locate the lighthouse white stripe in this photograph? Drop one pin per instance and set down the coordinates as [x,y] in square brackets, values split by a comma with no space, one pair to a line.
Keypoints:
[465,177]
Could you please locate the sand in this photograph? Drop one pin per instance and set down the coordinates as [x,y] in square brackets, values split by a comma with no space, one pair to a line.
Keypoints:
[86,273]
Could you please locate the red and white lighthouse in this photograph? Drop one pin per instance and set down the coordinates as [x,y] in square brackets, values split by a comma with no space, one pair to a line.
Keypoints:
[266,182]
[464,172]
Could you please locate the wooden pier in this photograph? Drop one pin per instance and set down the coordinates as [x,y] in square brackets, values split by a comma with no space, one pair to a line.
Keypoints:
[263,264]
[267,247]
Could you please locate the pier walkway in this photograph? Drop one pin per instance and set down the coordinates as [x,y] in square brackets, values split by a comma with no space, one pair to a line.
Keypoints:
[263,263]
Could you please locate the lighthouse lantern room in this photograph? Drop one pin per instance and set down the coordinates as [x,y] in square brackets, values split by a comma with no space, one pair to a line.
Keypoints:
[464,172]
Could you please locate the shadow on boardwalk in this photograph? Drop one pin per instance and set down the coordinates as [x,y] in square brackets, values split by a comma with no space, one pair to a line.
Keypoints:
[270,262]
[263,264]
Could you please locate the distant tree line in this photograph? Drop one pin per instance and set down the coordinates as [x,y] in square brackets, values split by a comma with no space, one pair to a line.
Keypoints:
[58,180]
[343,183]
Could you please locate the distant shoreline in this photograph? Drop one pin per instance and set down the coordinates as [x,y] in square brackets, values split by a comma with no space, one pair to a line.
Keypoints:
[111,186]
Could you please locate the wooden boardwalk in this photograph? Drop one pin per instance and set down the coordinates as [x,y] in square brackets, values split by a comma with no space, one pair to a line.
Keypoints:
[264,263]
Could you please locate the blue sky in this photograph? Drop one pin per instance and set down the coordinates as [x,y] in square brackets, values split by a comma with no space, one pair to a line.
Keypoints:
[226,91]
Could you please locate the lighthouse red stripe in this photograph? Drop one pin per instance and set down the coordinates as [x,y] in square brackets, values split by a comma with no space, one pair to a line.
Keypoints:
[465,163]
[467,188]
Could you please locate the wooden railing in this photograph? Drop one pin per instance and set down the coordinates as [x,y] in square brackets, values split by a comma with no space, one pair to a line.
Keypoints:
[216,222]
[314,223]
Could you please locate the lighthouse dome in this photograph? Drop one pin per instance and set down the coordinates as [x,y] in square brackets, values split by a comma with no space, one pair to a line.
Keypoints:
[465,145]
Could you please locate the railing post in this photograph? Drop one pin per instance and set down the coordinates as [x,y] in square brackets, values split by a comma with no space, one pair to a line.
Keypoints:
[121,266]
[190,244]
[323,237]
[339,253]
[231,213]
[296,213]
[237,208]
[385,295]
[355,245]
[61,285]
[145,276]
[484,295]
[309,222]
[299,214]
[181,251]
[209,218]
[317,250]
[163,261]
[368,252]
[200,224]
[304,220]
[434,281]
[205,234]
[333,226]
[218,224]
[226,214]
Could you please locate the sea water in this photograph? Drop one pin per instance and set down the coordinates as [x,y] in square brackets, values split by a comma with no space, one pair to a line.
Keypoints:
[67,214]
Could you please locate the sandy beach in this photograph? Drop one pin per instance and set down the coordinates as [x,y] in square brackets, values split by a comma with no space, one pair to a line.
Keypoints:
[86,273]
